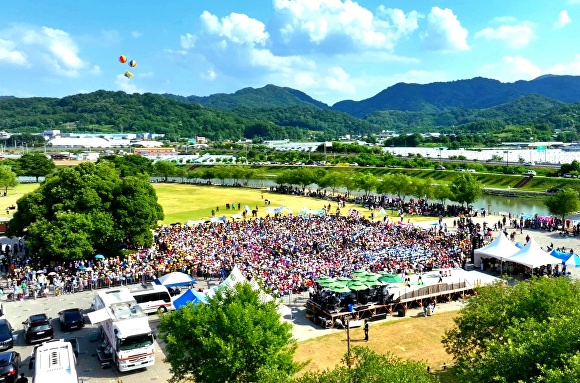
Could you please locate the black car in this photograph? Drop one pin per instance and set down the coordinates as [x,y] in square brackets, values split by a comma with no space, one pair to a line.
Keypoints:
[9,366]
[71,319]
[554,190]
[6,333]
[37,328]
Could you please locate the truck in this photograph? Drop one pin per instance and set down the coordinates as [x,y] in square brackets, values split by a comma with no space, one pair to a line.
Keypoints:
[127,339]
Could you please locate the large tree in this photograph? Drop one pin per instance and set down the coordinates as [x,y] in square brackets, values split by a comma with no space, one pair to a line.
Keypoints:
[563,203]
[466,189]
[236,337]
[79,211]
[518,333]
[370,367]
[36,165]
[7,178]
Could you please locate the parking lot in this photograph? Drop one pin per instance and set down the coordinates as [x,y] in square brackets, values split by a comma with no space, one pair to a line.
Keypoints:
[88,367]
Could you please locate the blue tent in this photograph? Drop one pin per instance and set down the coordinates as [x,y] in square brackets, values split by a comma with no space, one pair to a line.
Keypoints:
[560,254]
[189,296]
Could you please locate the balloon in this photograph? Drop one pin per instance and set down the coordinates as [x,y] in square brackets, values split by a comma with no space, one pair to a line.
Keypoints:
[128,74]
[132,63]
[122,59]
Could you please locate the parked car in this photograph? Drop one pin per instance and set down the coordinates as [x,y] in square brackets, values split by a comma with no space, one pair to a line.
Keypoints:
[6,335]
[532,163]
[440,167]
[37,328]
[71,319]
[459,170]
[10,363]
[530,173]
[554,190]
[471,170]
[568,175]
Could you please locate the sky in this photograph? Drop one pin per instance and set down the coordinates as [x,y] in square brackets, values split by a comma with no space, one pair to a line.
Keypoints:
[332,50]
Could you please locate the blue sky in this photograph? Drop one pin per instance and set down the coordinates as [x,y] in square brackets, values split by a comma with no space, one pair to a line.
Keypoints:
[330,49]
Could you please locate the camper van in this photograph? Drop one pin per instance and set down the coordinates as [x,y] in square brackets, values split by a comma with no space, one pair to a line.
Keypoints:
[54,361]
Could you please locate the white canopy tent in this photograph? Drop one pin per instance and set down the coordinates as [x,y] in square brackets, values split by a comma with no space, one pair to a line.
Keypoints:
[236,277]
[532,255]
[501,248]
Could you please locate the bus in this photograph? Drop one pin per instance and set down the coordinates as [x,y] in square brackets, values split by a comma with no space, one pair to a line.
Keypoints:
[54,361]
[152,298]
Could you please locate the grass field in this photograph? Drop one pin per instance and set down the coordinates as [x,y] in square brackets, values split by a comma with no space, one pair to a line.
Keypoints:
[415,338]
[188,202]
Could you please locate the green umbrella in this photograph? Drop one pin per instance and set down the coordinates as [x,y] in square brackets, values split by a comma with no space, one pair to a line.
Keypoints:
[358,273]
[324,278]
[373,282]
[343,281]
[339,289]
[391,278]
[327,283]
[371,277]
[357,286]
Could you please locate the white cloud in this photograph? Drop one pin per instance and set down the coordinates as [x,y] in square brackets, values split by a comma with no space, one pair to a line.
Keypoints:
[571,68]
[515,36]
[126,85]
[511,69]
[95,70]
[9,55]
[210,75]
[236,27]
[43,48]
[444,31]
[188,41]
[563,20]
[136,34]
[335,26]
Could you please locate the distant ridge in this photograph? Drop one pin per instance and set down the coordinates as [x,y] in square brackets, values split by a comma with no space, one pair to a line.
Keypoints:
[476,93]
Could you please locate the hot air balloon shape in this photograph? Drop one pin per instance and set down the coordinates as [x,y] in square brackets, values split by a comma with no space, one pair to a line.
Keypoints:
[122,59]
[129,74]
[132,63]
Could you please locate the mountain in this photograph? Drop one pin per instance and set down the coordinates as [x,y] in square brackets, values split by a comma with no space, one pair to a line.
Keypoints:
[269,96]
[476,93]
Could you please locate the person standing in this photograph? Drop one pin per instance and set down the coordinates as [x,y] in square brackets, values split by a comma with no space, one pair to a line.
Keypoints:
[22,379]
[366,328]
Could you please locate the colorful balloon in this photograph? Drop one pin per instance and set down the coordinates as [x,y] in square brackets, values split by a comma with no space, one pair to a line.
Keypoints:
[122,59]
[129,74]
[132,63]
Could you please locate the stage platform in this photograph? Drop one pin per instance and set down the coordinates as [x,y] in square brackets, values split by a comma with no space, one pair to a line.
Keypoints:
[456,283]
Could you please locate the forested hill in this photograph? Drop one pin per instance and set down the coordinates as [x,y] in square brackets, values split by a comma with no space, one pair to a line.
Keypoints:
[269,96]
[118,111]
[476,93]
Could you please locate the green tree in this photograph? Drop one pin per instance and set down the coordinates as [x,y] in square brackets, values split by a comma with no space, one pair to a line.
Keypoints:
[36,165]
[130,165]
[370,367]
[441,193]
[332,180]
[563,203]
[423,188]
[466,189]
[366,182]
[236,337]
[164,169]
[79,211]
[531,326]
[400,185]
[7,178]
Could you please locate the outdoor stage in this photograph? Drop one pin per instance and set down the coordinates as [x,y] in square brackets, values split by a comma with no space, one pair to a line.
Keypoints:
[457,284]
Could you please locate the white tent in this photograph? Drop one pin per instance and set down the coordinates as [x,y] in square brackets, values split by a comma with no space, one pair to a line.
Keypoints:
[236,277]
[501,248]
[532,255]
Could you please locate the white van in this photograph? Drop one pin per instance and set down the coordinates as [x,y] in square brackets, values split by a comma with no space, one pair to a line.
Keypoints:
[54,361]
[530,173]
[152,297]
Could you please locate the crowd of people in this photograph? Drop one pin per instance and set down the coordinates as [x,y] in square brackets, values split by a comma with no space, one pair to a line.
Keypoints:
[285,253]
